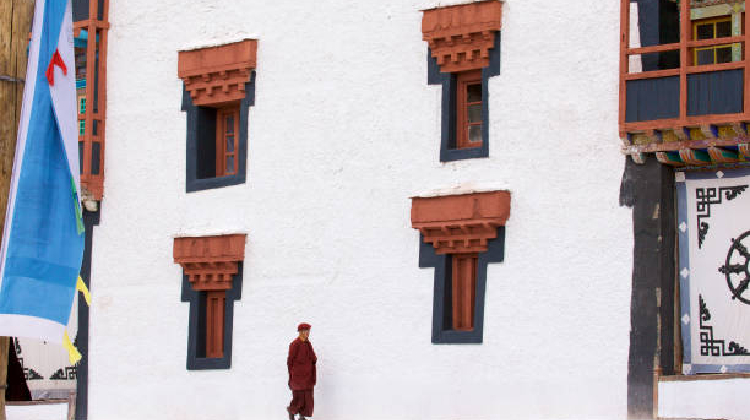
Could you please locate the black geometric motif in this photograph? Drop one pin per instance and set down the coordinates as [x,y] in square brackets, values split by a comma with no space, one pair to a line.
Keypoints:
[70,373]
[739,289]
[708,196]
[32,375]
[711,345]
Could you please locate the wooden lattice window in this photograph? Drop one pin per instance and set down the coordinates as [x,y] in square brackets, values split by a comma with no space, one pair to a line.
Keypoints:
[227,140]
[711,29]
[469,109]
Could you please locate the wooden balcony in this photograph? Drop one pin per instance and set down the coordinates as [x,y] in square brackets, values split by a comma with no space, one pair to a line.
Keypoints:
[692,115]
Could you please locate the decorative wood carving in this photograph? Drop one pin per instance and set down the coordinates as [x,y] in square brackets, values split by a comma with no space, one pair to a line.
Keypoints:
[210,261]
[460,224]
[217,75]
[460,37]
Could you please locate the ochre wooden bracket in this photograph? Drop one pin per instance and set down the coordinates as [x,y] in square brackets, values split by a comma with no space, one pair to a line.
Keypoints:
[460,224]
[460,37]
[215,76]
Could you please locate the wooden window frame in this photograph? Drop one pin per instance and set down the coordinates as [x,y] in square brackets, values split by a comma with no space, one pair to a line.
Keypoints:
[714,48]
[463,81]
[222,152]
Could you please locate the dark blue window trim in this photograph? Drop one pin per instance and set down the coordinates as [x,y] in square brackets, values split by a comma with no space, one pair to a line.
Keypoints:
[441,308]
[196,359]
[448,153]
[198,123]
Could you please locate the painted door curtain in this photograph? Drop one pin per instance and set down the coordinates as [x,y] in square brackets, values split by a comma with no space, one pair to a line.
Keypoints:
[714,252]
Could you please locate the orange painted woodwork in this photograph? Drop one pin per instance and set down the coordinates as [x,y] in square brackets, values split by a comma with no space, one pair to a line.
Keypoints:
[217,75]
[460,37]
[686,47]
[215,324]
[463,283]
[227,140]
[469,109]
[210,262]
[460,224]
[92,164]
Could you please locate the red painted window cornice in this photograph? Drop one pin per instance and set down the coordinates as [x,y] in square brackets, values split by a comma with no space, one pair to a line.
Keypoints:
[210,261]
[460,37]
[460,224]
[217,75]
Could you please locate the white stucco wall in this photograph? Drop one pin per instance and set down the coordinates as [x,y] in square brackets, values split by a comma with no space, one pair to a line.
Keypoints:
[345,129]
[705,399]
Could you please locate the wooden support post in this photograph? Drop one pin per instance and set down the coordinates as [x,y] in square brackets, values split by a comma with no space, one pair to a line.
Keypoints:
[624,59]
[15,21]
[685,31]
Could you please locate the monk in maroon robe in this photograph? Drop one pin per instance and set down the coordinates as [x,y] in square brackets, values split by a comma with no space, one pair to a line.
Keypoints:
[302,375]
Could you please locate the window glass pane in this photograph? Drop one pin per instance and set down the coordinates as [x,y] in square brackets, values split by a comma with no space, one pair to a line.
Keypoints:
[82,128]
[475,113]
[474,93]
[475,133]
[230,144]
[706,56]
[230,165]
[230,124]
[80,156]
[723,29]
[706,31]
[723,55]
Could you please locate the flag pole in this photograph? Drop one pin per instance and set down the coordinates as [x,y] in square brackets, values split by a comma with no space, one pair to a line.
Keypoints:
[14,34]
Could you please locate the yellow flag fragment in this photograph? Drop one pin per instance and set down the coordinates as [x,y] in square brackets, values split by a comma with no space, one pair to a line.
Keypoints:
[81,287]
[73,354]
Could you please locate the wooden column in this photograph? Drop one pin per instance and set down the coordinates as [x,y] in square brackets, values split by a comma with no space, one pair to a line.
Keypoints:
[624,59]
[15,22]
[685,35]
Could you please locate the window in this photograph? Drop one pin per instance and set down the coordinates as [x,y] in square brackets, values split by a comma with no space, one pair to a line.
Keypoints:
[227,142]
[459,236]
[463,69]
[469,109]
[463,291]
[212,277]
[82,127]
[219,88]
[82,106]
[712,29]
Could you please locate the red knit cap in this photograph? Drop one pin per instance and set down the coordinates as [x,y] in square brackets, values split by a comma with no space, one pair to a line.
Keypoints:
[303,326]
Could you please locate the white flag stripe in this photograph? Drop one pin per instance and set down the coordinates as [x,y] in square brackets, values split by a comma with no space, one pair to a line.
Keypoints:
[63,94]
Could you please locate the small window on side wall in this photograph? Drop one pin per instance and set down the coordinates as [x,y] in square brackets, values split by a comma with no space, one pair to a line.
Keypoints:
[219,89]
[459,236]
[463,69]
[469,109]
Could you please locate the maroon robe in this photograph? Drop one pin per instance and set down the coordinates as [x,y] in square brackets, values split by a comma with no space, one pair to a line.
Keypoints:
[302,377]
[301,364]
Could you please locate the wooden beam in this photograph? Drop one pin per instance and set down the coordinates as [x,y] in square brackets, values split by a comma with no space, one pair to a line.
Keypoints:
[654,49]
